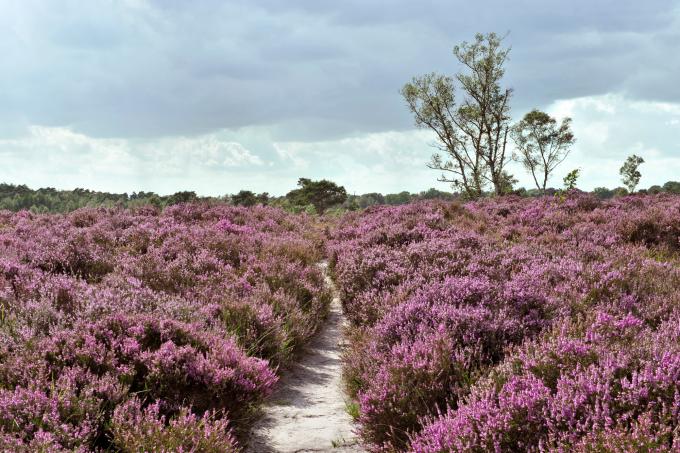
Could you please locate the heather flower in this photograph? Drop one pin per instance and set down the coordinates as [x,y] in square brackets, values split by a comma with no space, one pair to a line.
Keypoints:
[134,428]
[561,313]
[187,313]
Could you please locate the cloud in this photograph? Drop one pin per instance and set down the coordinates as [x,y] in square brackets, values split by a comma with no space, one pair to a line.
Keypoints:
[609,128]
[69,159]
[216,96]
[387,161]
[309,70]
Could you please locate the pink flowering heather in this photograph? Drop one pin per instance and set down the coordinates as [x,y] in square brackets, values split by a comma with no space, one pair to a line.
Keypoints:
[508,324]
[514,324]
[149,331]
[144,429]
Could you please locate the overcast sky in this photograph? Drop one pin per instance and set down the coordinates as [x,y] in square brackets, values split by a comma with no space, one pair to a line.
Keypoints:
[216,96]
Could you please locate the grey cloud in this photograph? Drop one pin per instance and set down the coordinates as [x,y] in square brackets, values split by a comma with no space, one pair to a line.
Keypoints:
[309,70]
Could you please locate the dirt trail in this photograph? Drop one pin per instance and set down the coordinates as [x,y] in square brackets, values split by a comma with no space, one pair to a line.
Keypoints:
[307,411]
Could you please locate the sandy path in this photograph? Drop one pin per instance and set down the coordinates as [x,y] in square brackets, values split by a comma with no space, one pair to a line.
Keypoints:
[307,411]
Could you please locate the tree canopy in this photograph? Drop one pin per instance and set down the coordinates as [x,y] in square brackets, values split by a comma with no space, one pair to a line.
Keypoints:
[542,144]
[471,134]
[630,173]
[249,198]
[321,194]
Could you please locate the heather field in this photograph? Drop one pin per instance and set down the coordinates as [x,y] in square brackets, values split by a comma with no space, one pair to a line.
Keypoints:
[147,331]
[506,324]
[514,325]
[304,226]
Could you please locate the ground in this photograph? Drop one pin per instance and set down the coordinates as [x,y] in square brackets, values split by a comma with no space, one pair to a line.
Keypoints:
[307,412]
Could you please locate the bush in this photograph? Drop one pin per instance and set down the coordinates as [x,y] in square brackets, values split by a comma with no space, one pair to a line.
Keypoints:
[136,429]
[185,314]
[513,324]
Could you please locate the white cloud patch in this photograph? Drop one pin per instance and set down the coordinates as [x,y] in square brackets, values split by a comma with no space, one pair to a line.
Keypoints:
[59,156]
[608,128]
[207,151]
[385,161]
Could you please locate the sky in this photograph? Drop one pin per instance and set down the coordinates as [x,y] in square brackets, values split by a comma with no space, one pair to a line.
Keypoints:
[221,95]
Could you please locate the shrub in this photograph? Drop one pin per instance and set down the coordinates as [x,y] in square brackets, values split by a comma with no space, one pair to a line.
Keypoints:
[178,320]
[545,324]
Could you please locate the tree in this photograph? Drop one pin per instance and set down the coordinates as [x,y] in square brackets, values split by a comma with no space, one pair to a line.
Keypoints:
[320,194]
[400,198]
[507,183]
[244,198]
[369,199]
[620,192]
[263,198]
[472,134]
[571,179]
[671,187]
[542,144]
[603,193]
[431,99]
[248,198]
[434,194]
[185,196]
[630,175]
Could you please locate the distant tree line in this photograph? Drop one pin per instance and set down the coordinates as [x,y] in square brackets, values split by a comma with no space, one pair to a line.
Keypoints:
[310,196]
[20,197]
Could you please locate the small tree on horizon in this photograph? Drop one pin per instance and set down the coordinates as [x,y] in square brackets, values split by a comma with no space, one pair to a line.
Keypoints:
[542,144]
[508,183]
[186,196]
[244,198]
[321,194]
[630,173]
[249,198]
[671,187]
[571,179]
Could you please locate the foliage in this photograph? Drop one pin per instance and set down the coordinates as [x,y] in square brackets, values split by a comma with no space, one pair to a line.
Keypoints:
[571,179]
[542,144]
[320,194]
[672,187]
[507,183]
[17,198]
[182,197]
[620,192]
[140,330]
[137,429]
[248,198]
[514,324]
[630,173]
[20,197]
[472,133]
[398,198]
[603,193]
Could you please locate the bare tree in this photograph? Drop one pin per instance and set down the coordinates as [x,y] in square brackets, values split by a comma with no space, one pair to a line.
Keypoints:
[473,134]
[542,144]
